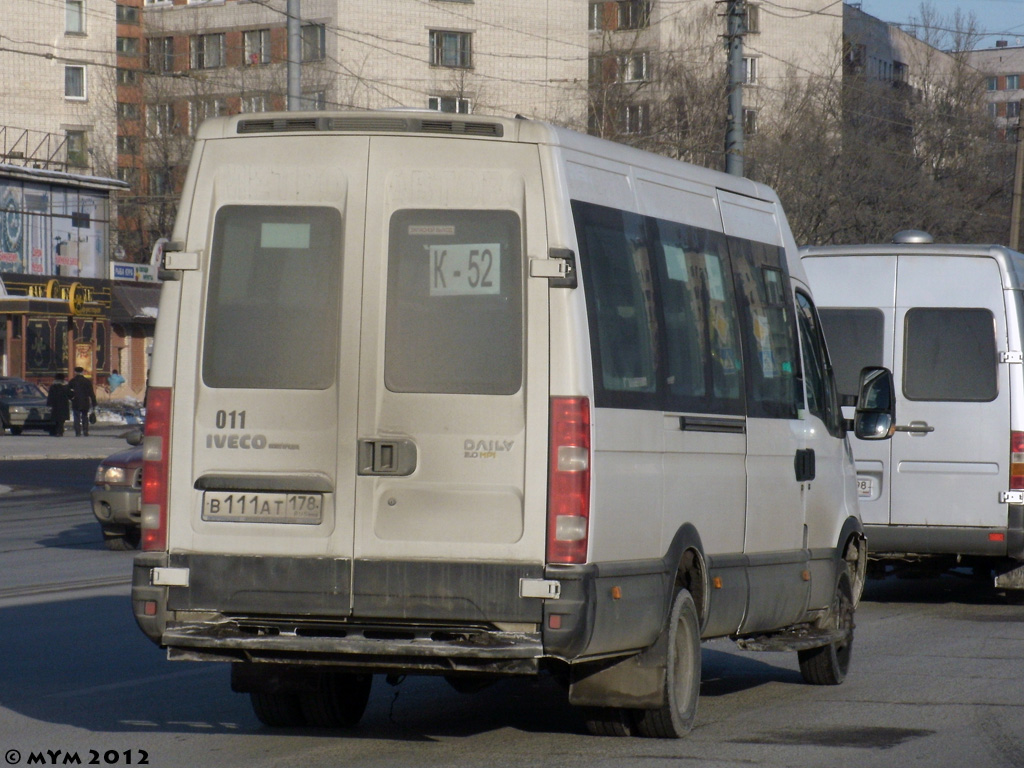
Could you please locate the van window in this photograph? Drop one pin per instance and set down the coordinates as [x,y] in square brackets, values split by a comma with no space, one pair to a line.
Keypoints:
[854,338]
[704,369]
[822,400]
[769,332]
[620,302]
[275,275]
[949,355]
[454,303]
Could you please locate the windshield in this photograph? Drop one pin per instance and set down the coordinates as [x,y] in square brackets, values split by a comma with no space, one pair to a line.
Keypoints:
[20,389]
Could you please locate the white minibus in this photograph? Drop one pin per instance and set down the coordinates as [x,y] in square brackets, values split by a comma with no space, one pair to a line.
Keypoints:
[475,397]
[948,490]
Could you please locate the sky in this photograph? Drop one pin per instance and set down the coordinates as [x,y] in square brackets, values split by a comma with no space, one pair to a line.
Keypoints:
[999,19]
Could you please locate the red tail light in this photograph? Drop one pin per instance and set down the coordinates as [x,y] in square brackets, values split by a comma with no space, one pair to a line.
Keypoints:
[154,468]
[1017,461]
[569,480]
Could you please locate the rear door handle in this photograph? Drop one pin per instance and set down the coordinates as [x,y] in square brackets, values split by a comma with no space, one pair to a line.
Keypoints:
[387,456]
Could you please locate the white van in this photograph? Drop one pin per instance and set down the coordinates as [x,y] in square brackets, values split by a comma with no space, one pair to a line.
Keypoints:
[948,489]
[478,397]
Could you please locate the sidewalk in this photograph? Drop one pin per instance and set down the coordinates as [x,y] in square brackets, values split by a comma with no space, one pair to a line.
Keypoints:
[103,440]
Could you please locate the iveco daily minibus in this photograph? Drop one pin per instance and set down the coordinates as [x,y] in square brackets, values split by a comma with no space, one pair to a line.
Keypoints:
[475,397]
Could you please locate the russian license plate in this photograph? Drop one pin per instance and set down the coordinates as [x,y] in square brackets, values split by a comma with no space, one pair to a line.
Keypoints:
[263,507]
[865,487]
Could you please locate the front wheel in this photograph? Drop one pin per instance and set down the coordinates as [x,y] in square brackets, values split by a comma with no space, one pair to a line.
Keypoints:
[828,664]
[674,719]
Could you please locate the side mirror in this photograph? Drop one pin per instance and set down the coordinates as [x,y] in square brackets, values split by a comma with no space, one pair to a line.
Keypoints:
[875,417]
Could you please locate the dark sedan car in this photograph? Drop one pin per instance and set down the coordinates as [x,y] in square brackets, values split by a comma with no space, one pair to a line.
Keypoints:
[117,498]
[23,406]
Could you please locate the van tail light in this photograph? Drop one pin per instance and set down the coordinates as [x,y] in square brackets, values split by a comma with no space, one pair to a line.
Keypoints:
[155,475]
[1017,461]
[569,480]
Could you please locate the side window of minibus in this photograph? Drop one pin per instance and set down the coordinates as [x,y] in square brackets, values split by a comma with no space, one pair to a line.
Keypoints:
[822,400]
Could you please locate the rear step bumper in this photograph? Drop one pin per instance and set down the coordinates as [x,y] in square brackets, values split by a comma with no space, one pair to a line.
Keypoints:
[368,648]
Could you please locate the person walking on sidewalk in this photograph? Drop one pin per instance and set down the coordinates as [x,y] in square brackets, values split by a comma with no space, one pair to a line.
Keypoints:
[59,399]
[83,400]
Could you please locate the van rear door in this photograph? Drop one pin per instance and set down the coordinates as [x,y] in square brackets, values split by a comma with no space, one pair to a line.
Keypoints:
[953,393]
[449,506]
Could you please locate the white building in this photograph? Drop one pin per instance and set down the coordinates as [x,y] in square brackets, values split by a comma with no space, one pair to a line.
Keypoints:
[1003,67]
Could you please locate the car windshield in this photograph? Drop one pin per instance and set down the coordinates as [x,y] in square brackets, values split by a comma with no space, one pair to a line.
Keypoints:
[11,389]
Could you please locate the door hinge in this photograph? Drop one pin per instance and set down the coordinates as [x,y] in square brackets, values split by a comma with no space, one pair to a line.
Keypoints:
[1011,497]
[1011,357]
[559,268]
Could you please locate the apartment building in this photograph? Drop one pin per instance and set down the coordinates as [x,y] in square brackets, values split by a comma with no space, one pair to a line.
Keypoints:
[1003,67]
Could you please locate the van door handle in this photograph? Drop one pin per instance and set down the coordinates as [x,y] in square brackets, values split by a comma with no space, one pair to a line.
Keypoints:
[916,428]
[386,456]
[803,463]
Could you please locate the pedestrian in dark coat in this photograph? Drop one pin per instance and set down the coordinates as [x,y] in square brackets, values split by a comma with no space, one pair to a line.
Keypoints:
[83,400]
[58,397]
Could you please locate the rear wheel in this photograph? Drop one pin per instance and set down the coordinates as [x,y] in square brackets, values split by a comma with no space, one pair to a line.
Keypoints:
[829,664]
[674,719]
[609,721]
[339,701]
[121,540]
[277,710]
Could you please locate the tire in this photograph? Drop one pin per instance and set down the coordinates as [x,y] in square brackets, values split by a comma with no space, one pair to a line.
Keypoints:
[121,540]
[674,719]
[829,664]
[277,710]
[609,721]
[339,701]
[15,430]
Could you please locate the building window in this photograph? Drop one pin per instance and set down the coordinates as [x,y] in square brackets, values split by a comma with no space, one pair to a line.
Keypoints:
[635,118]
[314,42]
[633,68]
[74,81]
[128,175]
[257,47]
[74,17]
[161,54]
[454,104]
[314,100]
[160,119]
[749,122]
[77,154]
[1013,82]
[595,17]
[752,19]
[128,46]
[208,51]
[127,14]
[749,71]
[203,109]
[993,83]
[127,110]
[1013,109]
[451,49]
[127,145]
[993,110]
[634,14]
[254,103]
[160,183]
[127,76]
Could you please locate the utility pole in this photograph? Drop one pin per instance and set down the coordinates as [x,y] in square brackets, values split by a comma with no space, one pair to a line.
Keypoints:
[294,56]
[1018,184]
[736,26]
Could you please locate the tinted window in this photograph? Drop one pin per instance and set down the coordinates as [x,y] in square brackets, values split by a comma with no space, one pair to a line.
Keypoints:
[454,304]
[769,332]
[854,338]
[275,275]
[620,302]
[822,400]
[949,354]
[703,356]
